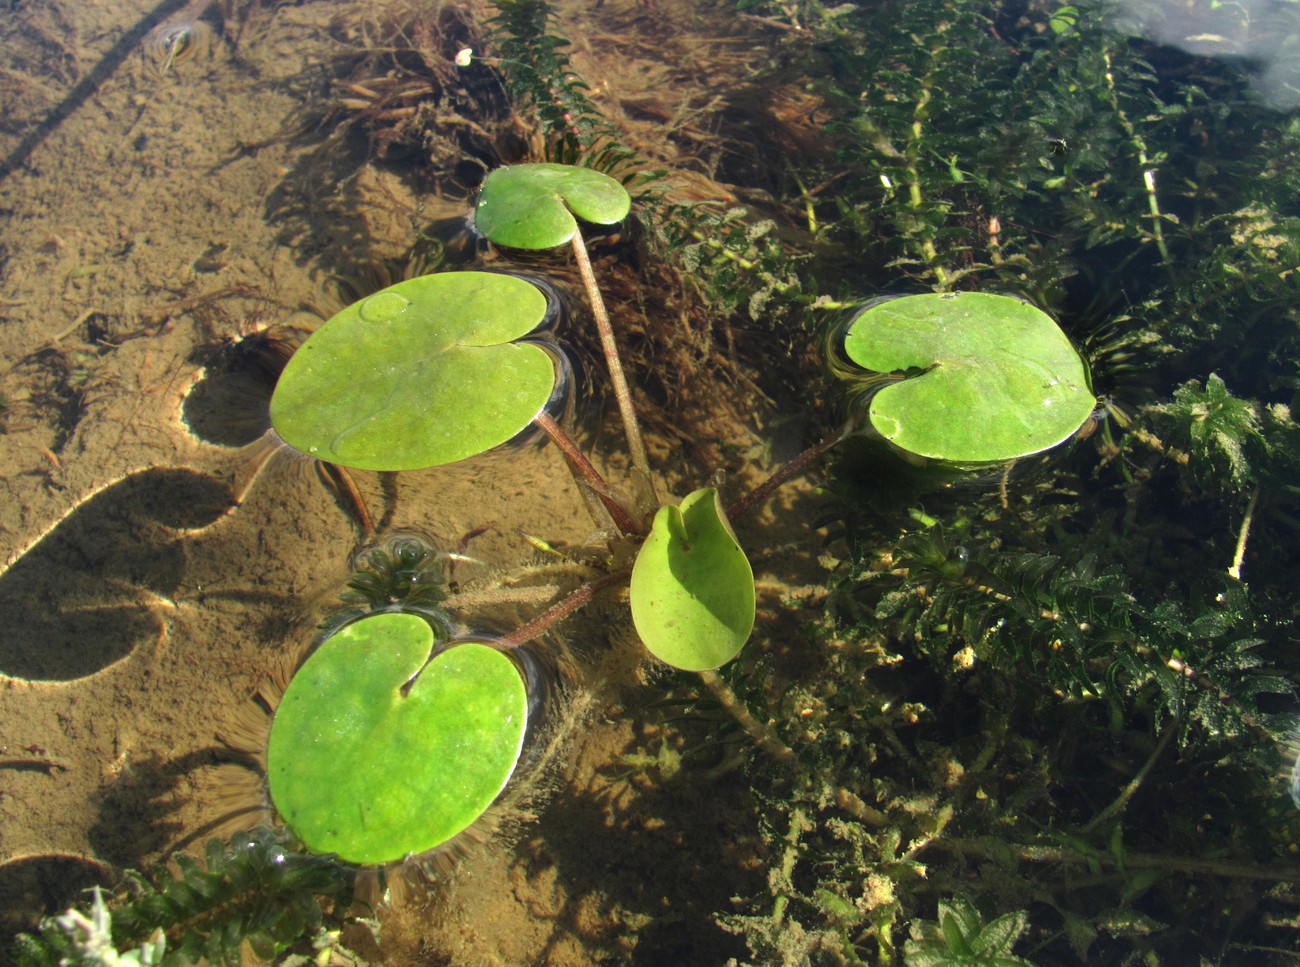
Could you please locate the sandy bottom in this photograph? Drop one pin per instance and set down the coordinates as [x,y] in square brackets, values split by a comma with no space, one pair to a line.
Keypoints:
[152,580]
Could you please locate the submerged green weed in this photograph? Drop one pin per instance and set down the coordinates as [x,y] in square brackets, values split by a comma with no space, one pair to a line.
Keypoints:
[1081,666]
[250,890]
[960,936]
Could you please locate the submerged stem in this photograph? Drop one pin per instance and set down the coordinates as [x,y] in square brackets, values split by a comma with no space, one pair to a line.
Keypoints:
[792,469]
[559,611]
[764,735]
[1212,866]
[1239,553]
[622,393]
[799,824]
[342,479]
[586,472]
[915,199]
[1130,790]
[1145,162]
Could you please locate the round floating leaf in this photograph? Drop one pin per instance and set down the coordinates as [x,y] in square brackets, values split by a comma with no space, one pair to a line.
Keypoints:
[998,378]
[532,206]
[419,374]
[376,755]
[692,587]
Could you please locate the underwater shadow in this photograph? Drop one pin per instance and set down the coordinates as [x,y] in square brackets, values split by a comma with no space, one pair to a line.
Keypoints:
[91,591]
[635,859]
[125,46]
[32,887]
[135,815]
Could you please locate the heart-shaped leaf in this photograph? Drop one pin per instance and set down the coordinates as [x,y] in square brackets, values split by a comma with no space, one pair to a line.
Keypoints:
[533,206]
[375,755]
[692,587]
[999,378]
[420,374]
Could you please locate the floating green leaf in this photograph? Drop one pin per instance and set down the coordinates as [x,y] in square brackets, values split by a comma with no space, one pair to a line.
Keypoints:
[378,752]
[533,206]
[997,378]
[420,374]
[692,587]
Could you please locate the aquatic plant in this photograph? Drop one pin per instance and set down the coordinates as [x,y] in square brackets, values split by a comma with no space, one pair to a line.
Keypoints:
[988,649]
[692,589]
[387,743]
[1059,695]
[419,395]
[179,38]
[735,259]
[403,572]
[960,936]
[77,938]
[987,378]
[251,890]
[541,79]
[537,206]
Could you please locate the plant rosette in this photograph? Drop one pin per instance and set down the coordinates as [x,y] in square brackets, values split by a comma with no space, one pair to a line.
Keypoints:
[423,373]
[388,744]
[982,378]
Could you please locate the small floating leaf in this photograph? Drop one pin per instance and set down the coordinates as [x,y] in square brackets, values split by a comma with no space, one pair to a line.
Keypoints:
[423,373]
[533,206]
[376,755]
[998,378]
[692,587]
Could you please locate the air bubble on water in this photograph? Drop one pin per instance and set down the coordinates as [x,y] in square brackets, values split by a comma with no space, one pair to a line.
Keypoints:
[383,306]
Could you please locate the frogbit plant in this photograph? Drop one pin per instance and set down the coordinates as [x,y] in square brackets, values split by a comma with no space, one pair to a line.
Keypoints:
[424,373]
[537,207]
[391,741]
[975,378]
[388,743]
